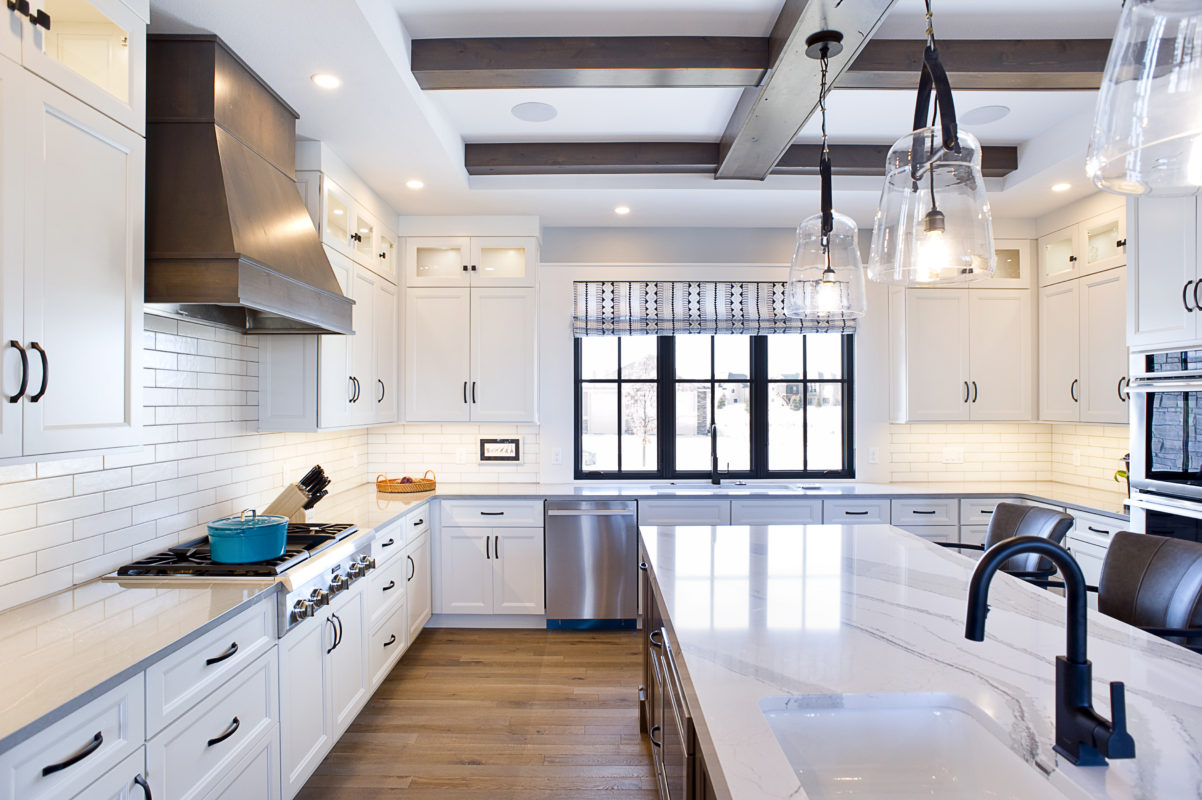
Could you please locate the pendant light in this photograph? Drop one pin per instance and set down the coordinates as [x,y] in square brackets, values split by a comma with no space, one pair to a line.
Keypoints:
[933,223]
[1147,133]
[826,278]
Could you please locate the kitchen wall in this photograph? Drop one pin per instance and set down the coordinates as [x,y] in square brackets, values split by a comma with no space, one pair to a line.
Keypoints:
[1082,455]
[66,521]
[452,451]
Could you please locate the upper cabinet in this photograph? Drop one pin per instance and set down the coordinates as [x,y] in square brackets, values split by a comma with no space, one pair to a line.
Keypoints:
[961,354]
[1162,305]
[1097,244]
[446,261]
[93,49]
[346,226]
[72,189]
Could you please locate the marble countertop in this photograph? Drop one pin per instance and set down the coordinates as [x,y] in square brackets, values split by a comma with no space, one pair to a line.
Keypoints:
[764,611]
[63,650]
[374,507]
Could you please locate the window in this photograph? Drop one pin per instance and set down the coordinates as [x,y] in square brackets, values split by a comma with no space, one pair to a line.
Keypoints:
[782,404]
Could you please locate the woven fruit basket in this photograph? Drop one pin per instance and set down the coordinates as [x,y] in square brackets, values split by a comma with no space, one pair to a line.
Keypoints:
[395,485]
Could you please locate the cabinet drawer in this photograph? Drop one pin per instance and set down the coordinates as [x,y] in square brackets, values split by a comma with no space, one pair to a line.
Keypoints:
[775,512]
[117,719]
[388,544]
[386,644]
[495,514]
[979,511]
[943,511]
[973,534]
[1095,528]
[684,512]
[852,511]
[191,754]
[386,588]
[934,533]
[256,775]
[119,783]
[417,522]
[179,681]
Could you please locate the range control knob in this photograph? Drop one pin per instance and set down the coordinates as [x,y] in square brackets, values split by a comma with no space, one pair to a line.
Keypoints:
[318,598]
[368,563]
[301,610]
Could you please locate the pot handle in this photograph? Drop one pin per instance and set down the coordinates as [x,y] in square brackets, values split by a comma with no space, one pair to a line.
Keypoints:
[250,511]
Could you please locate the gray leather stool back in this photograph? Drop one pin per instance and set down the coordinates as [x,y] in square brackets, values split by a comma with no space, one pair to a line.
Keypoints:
[1152,581]
[1015,519]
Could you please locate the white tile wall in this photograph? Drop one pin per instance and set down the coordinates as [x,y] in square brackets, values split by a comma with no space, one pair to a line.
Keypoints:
[1082,455]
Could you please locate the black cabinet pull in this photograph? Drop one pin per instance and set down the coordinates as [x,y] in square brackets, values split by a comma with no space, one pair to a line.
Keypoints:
[1122,396]
[1197,286]
[383,255]
[389,543]
[1184,299]
[141,782]
[473,267]
[421,521]
[412,569]
[966,391]
[492,513]
[350,382]
[92,747]
[651,736]
[986,510]
[465,392]
[496,547]
[465,267]
[334,625]
[1072,259]
[24,371]
[391,585]
[1097,530]
[1072,390]
[1121,243]
[235,724]
[487,557]
[391,640]
[40,18]
[33,398]
[974,391]
[473,391]
[382,390]
[856,513]
[917,511]
[338,619]
[227,654]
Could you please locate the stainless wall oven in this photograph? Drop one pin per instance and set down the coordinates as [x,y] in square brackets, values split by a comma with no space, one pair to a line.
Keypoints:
[1167,423]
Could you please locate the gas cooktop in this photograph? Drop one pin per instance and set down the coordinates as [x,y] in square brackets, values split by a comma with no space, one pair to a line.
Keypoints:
[193,558]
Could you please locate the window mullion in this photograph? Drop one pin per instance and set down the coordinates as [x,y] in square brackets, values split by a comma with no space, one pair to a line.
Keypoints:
[666,391]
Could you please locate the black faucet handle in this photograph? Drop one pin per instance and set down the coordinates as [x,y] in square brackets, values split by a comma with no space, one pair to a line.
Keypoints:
[1119,743]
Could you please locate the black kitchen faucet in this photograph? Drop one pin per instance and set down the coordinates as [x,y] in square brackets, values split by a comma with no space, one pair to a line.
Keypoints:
[1082,736]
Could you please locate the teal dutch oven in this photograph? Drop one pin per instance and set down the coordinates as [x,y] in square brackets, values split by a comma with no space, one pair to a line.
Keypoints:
[247,537]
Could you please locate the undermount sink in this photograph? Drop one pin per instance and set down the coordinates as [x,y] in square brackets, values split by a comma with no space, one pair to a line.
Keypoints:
[922,745]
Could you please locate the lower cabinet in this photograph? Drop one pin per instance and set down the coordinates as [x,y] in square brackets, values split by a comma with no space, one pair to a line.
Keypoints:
[387,643]
[492,570]
[123,782]
[684,512]
[418,596]
[348,661]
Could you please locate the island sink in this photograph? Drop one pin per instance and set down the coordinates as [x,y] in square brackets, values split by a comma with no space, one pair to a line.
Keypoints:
[905,745]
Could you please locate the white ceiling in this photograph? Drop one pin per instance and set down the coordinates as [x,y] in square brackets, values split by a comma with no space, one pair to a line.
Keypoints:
[389,131]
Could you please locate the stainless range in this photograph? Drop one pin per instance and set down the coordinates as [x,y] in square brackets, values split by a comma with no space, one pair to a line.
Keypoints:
[320,562]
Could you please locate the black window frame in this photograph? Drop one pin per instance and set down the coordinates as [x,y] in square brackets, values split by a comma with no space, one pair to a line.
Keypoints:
[666,383]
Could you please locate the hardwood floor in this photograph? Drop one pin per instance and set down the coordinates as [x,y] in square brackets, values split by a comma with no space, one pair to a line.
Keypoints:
[497,714]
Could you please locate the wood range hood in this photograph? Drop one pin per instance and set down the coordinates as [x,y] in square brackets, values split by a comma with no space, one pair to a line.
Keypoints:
[228,238]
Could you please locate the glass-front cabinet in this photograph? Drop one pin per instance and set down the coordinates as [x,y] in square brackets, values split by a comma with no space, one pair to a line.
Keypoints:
[471,261]
[1104,238]
[92,49]
[386,254]
[363,238]
[338,211]
[1058,259]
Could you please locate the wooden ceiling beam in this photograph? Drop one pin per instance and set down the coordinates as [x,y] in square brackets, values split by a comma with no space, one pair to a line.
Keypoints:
[666,158]
[717,61]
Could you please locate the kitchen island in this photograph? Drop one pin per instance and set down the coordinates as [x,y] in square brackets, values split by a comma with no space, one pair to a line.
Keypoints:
[758,614]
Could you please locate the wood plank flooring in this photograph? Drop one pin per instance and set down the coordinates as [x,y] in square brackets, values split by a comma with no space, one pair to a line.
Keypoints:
[499,714]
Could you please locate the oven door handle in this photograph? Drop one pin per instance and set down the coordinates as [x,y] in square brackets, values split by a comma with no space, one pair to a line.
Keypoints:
[1167,506]
[1143,386]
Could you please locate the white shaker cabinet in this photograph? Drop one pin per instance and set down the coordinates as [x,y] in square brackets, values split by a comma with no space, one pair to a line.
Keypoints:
[348,658]
[81,319]
[12,271]
[1082,351]
[1162,304]
[471,261]
[1059,352]
[961,354]
[383,398]
[1097,244]
[490,563]
[470,355]
[418,596]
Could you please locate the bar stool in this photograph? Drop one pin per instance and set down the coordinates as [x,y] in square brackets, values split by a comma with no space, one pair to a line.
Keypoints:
[1015,519]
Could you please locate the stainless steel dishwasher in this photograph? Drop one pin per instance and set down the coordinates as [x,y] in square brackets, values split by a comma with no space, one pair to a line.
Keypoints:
[591,557]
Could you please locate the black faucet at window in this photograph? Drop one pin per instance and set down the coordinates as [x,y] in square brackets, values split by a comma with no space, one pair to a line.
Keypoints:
[1082,736]
[714,479]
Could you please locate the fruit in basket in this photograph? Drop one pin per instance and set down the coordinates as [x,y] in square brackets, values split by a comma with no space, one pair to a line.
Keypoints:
[406,479]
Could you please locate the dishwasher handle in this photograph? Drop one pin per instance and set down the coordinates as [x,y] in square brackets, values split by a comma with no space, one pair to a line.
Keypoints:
[591,512]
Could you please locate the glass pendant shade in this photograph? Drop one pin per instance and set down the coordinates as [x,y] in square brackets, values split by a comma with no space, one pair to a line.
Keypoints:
[825,290]
[933,223]
[1147,134]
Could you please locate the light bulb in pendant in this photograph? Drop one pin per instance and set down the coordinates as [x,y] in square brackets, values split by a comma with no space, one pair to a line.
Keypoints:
[829,293]
[932,247]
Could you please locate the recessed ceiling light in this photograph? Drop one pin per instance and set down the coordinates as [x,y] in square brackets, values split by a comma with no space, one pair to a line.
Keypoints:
[327,81]
[1061,187]
[534,112]
[414,184]
[622,210]
[983,115]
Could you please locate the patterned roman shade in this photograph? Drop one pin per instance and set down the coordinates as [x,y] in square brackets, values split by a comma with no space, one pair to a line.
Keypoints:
[671,308]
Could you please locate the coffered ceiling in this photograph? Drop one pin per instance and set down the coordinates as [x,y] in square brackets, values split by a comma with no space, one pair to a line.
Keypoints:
[389,129]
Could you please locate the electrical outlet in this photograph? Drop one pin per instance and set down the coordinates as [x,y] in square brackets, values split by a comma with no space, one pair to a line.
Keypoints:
[953,455]
[556,455]
[874,455]
[460,455]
